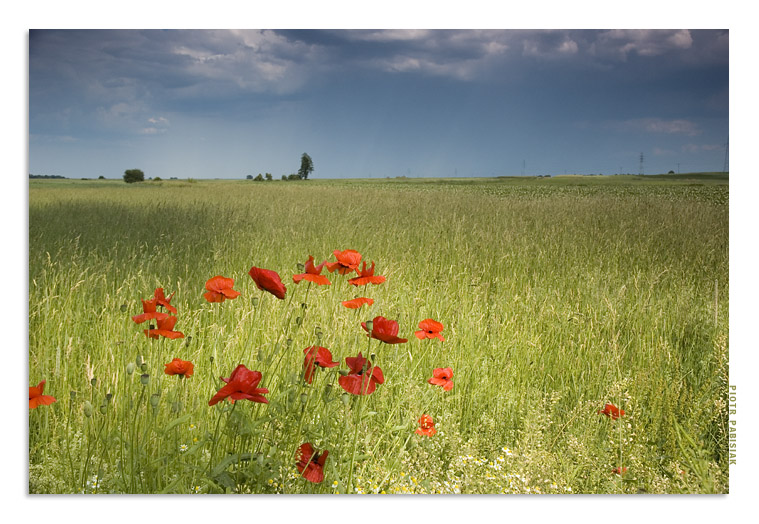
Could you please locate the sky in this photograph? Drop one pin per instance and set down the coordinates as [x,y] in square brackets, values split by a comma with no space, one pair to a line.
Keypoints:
[377,103]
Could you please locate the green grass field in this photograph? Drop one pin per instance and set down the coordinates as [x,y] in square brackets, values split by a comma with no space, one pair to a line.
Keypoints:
[557,296]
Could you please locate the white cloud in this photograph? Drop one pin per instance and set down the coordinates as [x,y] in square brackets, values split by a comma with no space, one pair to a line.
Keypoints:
[696,148]
[658,125]
[620,43]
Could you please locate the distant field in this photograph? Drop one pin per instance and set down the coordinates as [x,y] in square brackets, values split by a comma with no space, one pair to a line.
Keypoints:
[557,295]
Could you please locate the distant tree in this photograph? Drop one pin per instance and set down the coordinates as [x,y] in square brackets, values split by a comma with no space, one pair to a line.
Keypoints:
[133,175]
[671,172]
[259,178]
[101,177]
[249,177]
[268,177]
[284,177]
[157,179]
[294,176]
[306,166]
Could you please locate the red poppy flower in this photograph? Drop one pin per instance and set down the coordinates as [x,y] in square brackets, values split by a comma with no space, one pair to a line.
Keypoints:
[313,273]
[358,302]
[220,288]
[161,300]
[620,470]
[384,330]
[183,368]
[426,426]
[363,377]
[310,463]
[36,398]
[149,312]
[241,384]
[268,280]
[366,276]
[347,261]
[612,411]
[316,356]
[429,328]
[442,377]
[165,329]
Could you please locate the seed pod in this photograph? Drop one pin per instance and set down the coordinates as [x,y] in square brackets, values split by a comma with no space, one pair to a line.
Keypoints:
[144,367]
[123,307]
[108,396]
[72,394]
[289,342]
[304,305]
[87,409]
[187,341]
[93,382]
[344,372]
[298,321]
[144,379]
[210,360]
[254,301]
[154,399]
[138,360]
[303,398]
[369,325]
[130,368]
[103,409]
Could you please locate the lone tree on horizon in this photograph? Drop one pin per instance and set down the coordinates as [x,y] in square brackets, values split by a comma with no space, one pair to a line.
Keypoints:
[306,166]
[133,175]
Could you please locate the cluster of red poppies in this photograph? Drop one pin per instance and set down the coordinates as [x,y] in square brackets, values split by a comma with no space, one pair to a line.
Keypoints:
[362,376]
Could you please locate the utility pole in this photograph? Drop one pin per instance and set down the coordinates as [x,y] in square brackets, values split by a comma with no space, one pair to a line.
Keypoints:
[640,169]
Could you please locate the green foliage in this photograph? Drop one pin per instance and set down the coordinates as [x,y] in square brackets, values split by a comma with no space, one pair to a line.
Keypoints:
[133,175]
[306,166]
[259,178]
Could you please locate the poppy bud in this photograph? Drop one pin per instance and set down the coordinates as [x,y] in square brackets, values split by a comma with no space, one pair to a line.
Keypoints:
[144,367]
[144,379]
[138,361]
[103,409]
[211,360]
[93,382]
[291,396]
[261,355]
[344,372]
[289,342]
[303,398]
[72,394]
[301,267]
[154,398]
[176,407]
[108,396]
[87,409]
[298,321]
[327,392]
[187,340]
[123,307]
[318,332]
[346,398]
[254,301]
[369,325]
[130,368]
